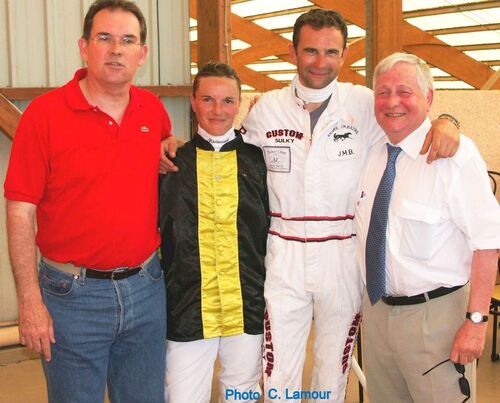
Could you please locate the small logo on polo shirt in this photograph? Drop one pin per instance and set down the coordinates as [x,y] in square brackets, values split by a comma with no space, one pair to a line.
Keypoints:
[145,129]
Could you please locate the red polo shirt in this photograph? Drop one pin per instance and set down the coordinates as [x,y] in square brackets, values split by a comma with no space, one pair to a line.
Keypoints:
[94,182]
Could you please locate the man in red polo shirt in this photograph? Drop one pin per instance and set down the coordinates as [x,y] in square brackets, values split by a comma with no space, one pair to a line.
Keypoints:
[85,162]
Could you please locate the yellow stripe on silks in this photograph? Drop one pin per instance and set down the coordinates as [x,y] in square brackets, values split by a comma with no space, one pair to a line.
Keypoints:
[221,298]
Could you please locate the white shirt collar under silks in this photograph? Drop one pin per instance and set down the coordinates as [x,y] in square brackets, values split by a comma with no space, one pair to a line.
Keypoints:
[412,143]
[217,141]
[311,95]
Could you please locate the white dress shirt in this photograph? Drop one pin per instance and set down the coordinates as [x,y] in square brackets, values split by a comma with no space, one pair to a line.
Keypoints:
[439,214]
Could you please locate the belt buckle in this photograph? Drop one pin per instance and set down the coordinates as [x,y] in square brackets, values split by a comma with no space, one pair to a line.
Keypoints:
[117,272]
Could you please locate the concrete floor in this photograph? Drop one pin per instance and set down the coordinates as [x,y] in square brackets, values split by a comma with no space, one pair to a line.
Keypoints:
[22,381]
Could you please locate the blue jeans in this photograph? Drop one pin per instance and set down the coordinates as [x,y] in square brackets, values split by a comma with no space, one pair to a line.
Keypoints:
[106,331]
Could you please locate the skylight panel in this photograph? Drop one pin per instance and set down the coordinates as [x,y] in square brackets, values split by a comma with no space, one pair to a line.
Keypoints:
[280,21]
[462,19]
[353,31]
[438,72]
[486,16]
[271,66]
[245,87]
[410,5]
[484,55]
[237,44]
[451,85]
[471,38]
[282,76]
[256,7]
[451,20]
[360,63]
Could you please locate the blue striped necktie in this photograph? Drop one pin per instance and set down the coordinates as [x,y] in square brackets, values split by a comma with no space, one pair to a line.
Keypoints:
[375,241]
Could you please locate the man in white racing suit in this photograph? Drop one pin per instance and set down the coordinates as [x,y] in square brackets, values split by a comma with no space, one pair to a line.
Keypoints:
[315,136]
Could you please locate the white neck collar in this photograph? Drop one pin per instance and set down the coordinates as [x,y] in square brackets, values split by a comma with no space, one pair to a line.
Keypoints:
[311,95]
[217,141]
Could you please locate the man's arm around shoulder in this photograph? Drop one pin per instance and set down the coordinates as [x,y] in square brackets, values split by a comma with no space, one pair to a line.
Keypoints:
[36,330]
[442,140]
[168,150]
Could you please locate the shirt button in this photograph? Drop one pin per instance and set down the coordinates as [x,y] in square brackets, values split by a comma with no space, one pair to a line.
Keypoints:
[218,202]
[218,178]
[110,123]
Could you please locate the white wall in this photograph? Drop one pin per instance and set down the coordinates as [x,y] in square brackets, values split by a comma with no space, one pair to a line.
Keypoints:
[479,115]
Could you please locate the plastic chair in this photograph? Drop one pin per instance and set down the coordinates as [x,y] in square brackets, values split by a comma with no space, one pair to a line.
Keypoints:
[495,311]
[494,177]
[495,298]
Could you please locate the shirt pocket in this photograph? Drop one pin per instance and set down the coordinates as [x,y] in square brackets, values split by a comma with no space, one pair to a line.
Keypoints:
[419,228]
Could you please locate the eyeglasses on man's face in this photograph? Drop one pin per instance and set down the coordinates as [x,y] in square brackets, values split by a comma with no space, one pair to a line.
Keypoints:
[463,383]
[127,41]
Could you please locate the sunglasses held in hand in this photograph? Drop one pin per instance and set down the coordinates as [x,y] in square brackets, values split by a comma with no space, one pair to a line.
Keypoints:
[463,383]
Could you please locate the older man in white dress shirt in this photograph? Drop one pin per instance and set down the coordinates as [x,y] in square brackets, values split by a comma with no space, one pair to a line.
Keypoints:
[428,251]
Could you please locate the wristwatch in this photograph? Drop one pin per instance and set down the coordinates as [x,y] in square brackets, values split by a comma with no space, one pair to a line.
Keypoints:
[476,317]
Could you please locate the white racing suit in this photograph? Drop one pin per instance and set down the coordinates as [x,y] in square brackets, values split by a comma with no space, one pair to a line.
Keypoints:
[311,260]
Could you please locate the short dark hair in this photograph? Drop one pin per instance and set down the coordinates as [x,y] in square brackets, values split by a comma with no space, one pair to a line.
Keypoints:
[318,19]
[216,69]
[99,5]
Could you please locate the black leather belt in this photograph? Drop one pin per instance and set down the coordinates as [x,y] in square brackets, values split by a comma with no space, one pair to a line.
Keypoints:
[117,274]
[420,298]
[112,274]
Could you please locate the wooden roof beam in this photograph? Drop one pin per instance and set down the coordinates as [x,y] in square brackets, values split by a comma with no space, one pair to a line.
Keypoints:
[260,82]
[491,81]
[255,53]
[9,116]
[356,51]
[280,13]
[452,9]
[214,31]
[424,45]
[264,42]
[386,29]
[253,34]
[463,30]
[478,46]
[445,57]
[353,10]
[267,43]
[351,76]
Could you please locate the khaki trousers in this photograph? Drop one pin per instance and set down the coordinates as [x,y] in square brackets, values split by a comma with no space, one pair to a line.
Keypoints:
[402,342]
